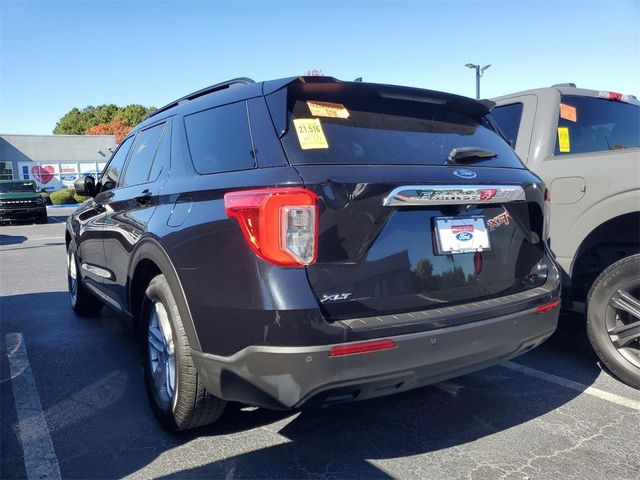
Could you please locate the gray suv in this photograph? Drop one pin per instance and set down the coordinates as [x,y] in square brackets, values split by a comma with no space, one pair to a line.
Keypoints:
[585,146]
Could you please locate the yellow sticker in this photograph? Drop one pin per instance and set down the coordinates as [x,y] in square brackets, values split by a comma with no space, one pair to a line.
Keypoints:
[568,112]
[328,109]
[310,134]
[563,139]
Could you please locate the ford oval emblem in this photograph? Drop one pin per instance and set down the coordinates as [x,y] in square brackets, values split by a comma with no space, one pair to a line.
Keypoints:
[464,236]
[464,173]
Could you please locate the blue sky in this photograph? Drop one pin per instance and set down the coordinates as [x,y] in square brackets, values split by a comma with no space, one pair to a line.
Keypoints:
[59,55]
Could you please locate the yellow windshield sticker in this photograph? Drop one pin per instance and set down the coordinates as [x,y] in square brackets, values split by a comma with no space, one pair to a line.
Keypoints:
[310,134]
[327,109]
[568,112]
[563,139]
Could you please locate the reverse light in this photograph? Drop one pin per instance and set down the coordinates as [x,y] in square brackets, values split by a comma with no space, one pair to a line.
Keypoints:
[547,307]
[279,224]
[362,347]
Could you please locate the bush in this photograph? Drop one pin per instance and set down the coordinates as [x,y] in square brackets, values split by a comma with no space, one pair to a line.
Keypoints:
[63,197]
[79,198]
[45,197]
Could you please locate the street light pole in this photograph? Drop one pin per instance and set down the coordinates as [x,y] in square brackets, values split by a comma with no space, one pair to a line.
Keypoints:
[479,71]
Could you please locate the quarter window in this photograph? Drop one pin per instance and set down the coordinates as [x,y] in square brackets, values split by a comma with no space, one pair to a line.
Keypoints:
[142,154]
[508,118]
[220,139]
[589,124]
[113,170]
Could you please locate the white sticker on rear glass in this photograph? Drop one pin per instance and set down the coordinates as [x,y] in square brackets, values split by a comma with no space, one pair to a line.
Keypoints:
[327,109]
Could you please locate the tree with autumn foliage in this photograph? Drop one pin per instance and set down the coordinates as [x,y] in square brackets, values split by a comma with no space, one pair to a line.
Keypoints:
[102,120]
[117,127]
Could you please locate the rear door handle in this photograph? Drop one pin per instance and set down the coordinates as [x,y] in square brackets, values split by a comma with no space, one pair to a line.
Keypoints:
[144,197]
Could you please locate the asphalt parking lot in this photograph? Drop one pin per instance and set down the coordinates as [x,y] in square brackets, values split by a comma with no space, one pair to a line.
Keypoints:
[73,405]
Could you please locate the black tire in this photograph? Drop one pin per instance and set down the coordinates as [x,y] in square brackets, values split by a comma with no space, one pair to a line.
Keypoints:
[44,218]
[613,319]
[185,404]
[83,302]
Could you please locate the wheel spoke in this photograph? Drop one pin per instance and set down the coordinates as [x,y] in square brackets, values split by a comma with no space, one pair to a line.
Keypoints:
[624,335]
[156,339]
[625,301]
[159,376]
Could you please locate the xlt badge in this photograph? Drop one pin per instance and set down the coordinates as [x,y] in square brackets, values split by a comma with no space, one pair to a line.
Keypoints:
[335,296]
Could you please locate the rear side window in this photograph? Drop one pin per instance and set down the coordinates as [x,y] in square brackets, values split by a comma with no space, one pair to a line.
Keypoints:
[143,152]
[508,119]
[588,124]
[343,127]
[113,170]
[220,139]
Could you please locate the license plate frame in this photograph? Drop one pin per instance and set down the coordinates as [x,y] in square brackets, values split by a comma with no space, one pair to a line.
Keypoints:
[465,234]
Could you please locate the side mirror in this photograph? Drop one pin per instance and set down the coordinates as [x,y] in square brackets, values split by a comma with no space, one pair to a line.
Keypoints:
[85,186]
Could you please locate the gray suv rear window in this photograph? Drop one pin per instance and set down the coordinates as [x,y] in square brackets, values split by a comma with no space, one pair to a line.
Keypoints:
[508,119]
[589,124]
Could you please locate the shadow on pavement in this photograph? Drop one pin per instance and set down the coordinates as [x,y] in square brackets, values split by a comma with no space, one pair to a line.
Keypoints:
[89,379]
[12,239]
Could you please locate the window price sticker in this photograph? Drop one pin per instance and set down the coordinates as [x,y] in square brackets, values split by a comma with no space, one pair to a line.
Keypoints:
[327,109]
[564,143]
[310,134]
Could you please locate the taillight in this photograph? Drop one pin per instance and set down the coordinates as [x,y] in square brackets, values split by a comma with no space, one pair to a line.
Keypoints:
[547,214]
[279,224]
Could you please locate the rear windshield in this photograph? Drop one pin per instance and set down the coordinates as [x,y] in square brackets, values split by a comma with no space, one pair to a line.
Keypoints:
[343,129]
[589,124]
[16,187]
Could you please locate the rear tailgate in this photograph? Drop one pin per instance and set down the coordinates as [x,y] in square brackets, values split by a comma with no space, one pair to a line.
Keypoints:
[377,158]
[377,256]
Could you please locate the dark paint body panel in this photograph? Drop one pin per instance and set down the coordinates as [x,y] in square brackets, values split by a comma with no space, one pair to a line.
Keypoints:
[231,300]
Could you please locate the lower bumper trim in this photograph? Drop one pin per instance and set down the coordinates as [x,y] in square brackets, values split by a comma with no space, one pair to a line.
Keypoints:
[288,377]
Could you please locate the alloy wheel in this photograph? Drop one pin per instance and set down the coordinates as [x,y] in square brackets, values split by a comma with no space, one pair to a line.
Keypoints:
[161,355]
[623,321]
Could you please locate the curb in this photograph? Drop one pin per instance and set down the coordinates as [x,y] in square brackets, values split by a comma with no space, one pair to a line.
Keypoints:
[69,205]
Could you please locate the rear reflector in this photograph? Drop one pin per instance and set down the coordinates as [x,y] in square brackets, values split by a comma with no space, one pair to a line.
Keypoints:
[547,307]
[362,347]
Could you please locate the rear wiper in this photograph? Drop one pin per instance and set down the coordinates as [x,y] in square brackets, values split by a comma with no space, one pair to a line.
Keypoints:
[467,153]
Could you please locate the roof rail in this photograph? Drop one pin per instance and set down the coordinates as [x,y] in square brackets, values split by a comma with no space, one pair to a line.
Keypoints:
[204,91]
[564,85]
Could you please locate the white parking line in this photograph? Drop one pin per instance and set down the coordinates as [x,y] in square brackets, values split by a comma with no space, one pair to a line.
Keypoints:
[577,386]
[40,460]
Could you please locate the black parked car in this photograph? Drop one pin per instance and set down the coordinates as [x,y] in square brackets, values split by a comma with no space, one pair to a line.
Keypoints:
[308,240]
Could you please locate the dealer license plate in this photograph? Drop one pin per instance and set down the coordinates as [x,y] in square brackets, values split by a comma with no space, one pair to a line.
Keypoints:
[461,235]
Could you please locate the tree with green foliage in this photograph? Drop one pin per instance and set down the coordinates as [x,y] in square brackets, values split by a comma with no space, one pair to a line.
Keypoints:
[77,122]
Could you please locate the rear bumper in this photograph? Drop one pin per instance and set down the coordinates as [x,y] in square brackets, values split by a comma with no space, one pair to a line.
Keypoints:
[287,377]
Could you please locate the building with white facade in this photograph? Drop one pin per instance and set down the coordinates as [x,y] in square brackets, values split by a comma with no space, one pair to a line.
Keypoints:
[53,161]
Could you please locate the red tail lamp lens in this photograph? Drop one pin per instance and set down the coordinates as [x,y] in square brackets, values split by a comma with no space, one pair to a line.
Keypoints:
[362,347]
[547,307]
[279,224]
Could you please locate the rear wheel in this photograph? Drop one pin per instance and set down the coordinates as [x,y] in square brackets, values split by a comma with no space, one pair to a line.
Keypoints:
[176,394]
[613,318]
[82,302]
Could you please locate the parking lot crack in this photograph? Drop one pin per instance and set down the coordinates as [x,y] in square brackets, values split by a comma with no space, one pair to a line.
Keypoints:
[577,444]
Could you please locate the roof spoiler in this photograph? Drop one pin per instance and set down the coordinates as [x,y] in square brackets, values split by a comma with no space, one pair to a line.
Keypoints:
[458,103]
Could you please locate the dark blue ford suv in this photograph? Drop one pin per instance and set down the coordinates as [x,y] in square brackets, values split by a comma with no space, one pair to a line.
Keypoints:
[308,240]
